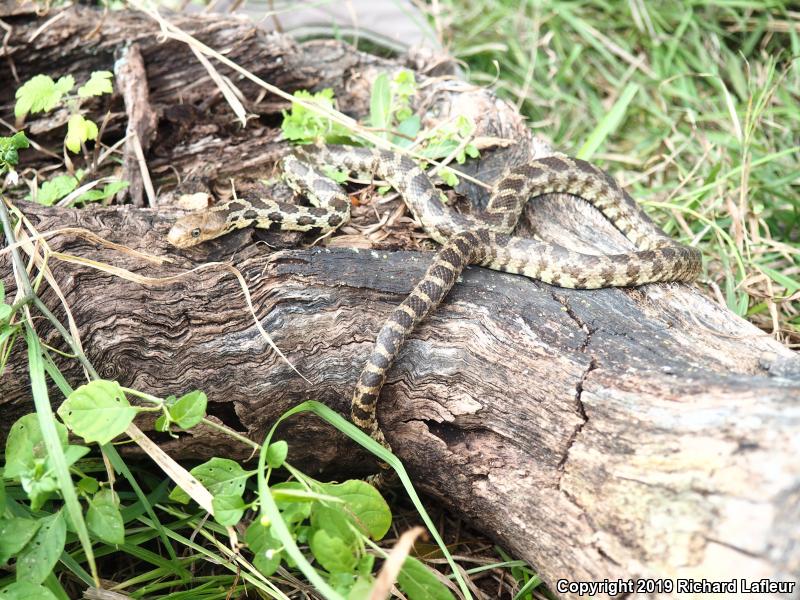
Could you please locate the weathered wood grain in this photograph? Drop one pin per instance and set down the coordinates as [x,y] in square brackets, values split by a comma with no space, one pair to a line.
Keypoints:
[596,434]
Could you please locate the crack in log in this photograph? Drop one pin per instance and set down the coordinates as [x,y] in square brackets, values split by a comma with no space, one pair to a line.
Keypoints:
[588,331]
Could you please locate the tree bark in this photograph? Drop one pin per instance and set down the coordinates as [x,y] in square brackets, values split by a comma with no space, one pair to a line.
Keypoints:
[617,433]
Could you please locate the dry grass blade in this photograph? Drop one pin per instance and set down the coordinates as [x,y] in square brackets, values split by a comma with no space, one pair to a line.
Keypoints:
[393,563]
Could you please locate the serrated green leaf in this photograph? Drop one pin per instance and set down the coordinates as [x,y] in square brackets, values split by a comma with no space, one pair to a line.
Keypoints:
[25,445]
[99,83]
[104,518]
[380,105]
[9,150]
[97,411]
[276,454]
[65,84]
[228,509]
[418,583]
[189,409]
[79,130]
[305,125]
[55,189]
[364,505]
[449,177]
[41,94]
[333,553]
[25,590]
[37,559]
[109,190]
[15,532]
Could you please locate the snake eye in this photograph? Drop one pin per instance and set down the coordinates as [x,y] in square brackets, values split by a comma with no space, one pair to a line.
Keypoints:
[196,232]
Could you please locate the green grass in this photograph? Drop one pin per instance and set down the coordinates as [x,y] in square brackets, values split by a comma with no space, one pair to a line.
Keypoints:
[694,105]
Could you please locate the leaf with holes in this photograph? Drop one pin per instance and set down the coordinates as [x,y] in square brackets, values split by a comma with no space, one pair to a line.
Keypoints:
[25,590]
[104,518]
[37,559]
[97,411]
[220,476]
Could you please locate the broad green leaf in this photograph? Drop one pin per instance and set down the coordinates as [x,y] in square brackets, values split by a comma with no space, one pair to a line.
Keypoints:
[97,411]
[265,548]
[276,454]
[409,128]
[189,409]
[228,509]
[333,553]
[41,94]
[290,500]
[95,195]
[37,559]
[25,590]
[220,476]
[380,105]
[73,453]
[55,189]
[25,445]
[361,588]
[364,504]
[333,519]
[88,485]
[14,534]
[418,583]
[99,83]
[79,130]
[104,518]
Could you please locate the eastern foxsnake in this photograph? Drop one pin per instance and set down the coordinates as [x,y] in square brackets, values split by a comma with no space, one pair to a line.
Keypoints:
[482,240]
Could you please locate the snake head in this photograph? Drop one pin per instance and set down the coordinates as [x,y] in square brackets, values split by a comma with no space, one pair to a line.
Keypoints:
[196,228]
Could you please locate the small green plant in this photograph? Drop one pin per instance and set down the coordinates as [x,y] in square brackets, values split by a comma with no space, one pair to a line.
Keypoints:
[338,523]
[9,151]
[391,117]
[41,94]
[60,186]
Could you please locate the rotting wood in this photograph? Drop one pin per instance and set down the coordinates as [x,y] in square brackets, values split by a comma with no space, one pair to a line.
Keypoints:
[596,434]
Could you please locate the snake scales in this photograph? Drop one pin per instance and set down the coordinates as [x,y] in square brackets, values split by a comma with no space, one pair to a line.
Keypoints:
[483,240]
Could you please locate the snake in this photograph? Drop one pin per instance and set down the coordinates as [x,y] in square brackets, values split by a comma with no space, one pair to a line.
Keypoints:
[483,239]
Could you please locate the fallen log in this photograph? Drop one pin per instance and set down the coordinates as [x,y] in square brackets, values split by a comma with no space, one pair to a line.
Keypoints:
[625,433]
